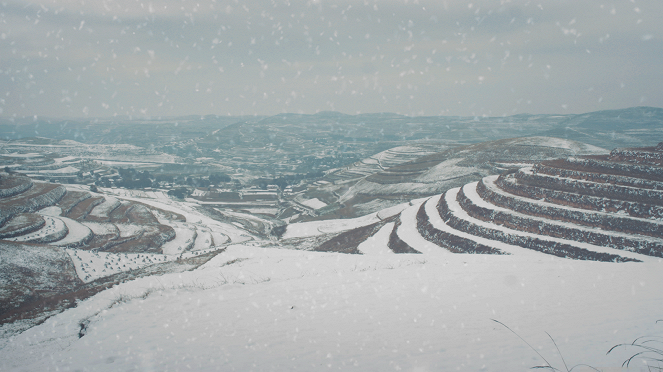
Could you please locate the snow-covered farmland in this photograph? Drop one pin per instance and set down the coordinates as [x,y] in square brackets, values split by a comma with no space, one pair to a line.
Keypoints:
[313,228]
[94,265]
[185,237]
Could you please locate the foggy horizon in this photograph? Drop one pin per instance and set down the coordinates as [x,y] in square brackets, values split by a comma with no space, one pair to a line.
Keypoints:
[416,58]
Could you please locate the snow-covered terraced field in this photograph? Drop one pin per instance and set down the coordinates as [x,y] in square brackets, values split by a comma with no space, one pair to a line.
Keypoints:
[103,210]
[78,234]
[54,229]
[507,215]
[184,239]
[94,265]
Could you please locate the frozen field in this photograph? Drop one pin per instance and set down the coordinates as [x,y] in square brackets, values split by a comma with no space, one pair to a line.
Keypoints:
[255,309]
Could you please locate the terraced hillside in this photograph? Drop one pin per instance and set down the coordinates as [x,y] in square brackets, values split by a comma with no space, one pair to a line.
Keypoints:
[424,171]
[57,240]
[599,207]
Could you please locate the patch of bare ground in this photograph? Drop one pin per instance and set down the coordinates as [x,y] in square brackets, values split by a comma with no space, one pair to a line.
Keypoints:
[37,309]
[22,223]
[172,216]
[119,214]
[70,199]
[347,242]
[83,208]
[33,272]
[141,215]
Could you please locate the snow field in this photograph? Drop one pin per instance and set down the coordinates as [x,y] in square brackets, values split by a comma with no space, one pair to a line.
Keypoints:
[126,230]
[271,309]
[94,265]
[314,203]
[53,210]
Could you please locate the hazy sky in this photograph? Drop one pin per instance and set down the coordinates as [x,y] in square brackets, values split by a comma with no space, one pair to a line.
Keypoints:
[101,58]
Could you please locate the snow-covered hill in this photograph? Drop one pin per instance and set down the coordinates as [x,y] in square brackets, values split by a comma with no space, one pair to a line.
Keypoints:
[566,253]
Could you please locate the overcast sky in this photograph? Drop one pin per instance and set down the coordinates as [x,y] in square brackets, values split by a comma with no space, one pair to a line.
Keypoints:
[99,58]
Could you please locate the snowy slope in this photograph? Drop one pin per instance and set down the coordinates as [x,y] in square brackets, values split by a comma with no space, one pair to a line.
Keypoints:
[274,310]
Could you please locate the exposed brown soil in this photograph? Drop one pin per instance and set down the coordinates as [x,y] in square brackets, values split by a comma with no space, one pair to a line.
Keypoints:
[70,199]
[83,208]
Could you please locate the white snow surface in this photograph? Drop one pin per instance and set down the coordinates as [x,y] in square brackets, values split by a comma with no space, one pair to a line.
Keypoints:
[185,236]
[314,203]
[560,143]
[256,309]
[313,228]
[77,233]
[94,265]
[53,211]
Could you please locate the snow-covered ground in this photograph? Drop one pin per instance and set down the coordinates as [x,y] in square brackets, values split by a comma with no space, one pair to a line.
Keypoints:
[313,228]
[185,237]
[94,265]
[314,203]
[257,309]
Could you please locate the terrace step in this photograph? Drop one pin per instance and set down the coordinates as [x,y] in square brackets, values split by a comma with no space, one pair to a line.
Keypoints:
[601,164]
[650,156]
[483,210]
[21,224]
[628,193]
[454,216]
[83,208]
[71,199]
[592,203]
[592,175]
[432,228]
[504,191]
[54,229]
[11,184]
[38,196]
